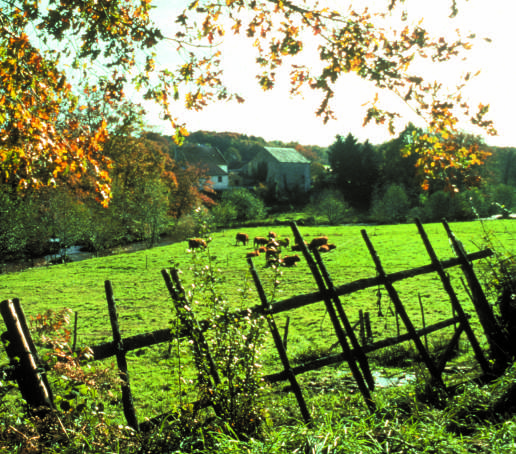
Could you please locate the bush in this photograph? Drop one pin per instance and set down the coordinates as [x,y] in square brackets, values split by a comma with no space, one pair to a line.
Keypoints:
[440,205]
[224,214]
[248,206]
[391,207]
[331,205]
[503,196]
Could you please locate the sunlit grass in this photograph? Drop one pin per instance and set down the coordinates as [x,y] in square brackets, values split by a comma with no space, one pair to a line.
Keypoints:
[144,304]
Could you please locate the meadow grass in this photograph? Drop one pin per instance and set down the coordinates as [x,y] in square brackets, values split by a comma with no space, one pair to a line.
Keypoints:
[144,304]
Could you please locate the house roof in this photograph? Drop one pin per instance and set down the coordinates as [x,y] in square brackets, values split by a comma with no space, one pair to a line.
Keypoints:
[212,169]
[287,155]
[201,154]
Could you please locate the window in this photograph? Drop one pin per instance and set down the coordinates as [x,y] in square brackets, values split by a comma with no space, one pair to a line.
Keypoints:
[219,179]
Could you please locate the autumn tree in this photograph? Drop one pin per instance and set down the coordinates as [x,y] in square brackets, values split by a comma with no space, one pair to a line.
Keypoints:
[47,50]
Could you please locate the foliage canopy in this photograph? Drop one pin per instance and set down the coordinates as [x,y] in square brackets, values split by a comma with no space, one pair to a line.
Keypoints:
[56,113]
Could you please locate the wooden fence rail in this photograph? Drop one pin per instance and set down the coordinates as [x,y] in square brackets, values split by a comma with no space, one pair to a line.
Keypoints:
[351,353]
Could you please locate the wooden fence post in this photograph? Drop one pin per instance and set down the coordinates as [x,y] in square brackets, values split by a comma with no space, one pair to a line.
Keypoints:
[127,397]
[279,345]
[457,307]
[400,309]
[330,297]
[203,359]
[23,356]
[492,329]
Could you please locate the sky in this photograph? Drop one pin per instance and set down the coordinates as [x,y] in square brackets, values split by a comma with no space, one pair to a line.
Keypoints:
[274,115]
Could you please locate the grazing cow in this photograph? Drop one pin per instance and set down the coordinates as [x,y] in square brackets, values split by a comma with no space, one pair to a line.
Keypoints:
[242,238]
[196,243]
[324,248]
[272,235]
[262,249]
[252,254]
[260,241]
[318,241]
[289,260]
[284,242]
[332,246]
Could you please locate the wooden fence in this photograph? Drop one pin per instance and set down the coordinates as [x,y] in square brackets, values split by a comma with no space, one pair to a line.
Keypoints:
[36,392]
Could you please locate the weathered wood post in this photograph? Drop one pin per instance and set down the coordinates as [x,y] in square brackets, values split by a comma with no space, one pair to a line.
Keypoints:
[494,334]
[23,357]
[279,345]
[356,357]
[457,307]
[127,396]
[400,309]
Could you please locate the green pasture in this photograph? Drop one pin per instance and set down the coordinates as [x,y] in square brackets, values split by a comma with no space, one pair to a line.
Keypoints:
[144,304]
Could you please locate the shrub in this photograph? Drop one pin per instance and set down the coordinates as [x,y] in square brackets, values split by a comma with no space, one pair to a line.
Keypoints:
[331,205]
[248,206]
[391,207]
[440,205]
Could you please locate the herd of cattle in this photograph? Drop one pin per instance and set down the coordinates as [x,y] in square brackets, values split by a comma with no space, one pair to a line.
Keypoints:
[271,247]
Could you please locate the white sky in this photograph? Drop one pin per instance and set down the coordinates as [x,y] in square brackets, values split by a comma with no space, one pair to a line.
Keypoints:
[274,115]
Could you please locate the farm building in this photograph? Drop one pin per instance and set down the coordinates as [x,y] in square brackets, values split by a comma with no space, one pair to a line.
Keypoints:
[284,168]
[209,159]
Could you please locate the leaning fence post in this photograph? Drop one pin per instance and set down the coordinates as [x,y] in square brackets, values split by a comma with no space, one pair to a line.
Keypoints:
[330,296]
[279,344]
[492,329]
[127,397]
[22,355]
[457,307]
[400,309]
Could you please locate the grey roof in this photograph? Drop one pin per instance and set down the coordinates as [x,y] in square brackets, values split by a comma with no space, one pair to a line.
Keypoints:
[200,153]
[287,155]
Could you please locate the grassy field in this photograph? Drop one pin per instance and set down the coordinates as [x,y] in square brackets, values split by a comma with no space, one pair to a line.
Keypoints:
[144,304]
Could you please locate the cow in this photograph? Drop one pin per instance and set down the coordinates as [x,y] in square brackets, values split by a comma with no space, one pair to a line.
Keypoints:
[272,235]
[260,241]
[289,260]
[196,243]
[324,248]
[318,241]
[332,246]
[284,242]
[252,254]
[242,238]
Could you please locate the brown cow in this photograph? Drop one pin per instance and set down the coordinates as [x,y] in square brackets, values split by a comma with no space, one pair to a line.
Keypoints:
[332,246]
[318,241]
[242,238]
[283,241]
[272,235]
[252,254]
[289,260]
[324,248]
[196,243]
[260,241]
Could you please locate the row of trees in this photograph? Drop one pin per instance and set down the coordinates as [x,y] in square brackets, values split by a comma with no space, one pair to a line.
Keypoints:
[384,183]
[152,195]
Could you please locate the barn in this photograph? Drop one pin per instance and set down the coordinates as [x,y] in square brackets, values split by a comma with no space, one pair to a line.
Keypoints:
[282,168]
